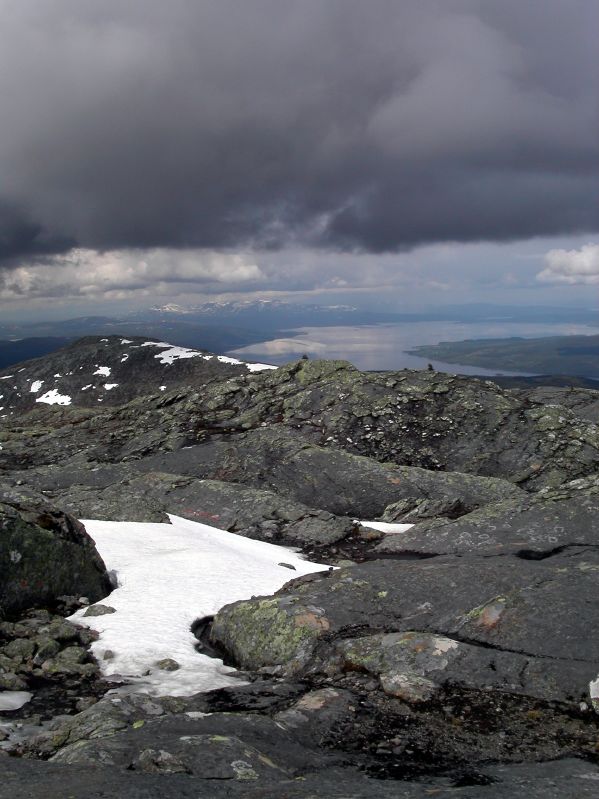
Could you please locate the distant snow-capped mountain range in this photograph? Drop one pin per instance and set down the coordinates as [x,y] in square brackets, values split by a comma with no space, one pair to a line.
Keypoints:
[261,306]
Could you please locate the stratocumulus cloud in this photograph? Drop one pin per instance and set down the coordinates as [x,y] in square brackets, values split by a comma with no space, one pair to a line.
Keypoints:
[572,266]
[119,274]
[259,124]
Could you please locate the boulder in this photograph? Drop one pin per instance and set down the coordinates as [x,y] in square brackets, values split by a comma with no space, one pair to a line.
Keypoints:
[45,554]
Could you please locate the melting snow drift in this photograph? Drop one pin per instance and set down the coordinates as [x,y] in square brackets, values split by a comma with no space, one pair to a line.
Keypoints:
[172,353]
[385,527]
[13,700]
[52,397]
[169,575]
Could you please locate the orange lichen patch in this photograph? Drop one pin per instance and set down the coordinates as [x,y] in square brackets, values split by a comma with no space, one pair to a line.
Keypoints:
[491,614]
[316,700]
[312,620]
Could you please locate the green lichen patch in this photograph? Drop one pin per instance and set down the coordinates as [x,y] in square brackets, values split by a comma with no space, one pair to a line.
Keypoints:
[261,633]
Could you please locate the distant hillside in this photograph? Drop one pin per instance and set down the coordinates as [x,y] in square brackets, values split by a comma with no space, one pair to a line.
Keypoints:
[111,370]
[555,355]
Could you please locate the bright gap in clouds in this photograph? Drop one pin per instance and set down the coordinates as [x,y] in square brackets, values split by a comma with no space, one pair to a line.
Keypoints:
[169,575]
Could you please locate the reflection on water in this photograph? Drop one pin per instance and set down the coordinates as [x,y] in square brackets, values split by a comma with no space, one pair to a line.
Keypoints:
[372,347]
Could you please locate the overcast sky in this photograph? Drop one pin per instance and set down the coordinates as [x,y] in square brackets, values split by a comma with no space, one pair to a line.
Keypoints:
[389,151]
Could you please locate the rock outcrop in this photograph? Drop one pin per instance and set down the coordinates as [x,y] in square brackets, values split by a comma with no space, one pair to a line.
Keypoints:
[45,554]
[454,658]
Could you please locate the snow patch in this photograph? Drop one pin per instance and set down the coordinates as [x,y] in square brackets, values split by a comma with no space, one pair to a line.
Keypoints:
[52,397]
[6,377]
[13,700]
[226,359]
[259,367]
[252,367]
[124,358]
[103,370]
[384,527]
[162,388]
[89,385]
[126,341]
[35,386]
[110,386]
[594,693]
[169,575]
[172,353]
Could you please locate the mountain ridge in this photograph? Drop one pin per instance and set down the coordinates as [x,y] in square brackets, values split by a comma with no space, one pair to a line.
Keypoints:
[452,655]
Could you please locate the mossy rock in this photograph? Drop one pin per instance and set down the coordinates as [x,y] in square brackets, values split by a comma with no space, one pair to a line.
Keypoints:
[44,554]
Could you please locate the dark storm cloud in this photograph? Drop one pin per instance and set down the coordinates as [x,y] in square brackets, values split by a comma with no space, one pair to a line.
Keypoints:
[376,126]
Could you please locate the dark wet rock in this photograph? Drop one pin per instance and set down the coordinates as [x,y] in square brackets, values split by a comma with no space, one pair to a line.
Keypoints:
[251,757]
[282,478]
[100,720]
[205,743]
[20,649]
[525,616]
[152,761]
[59,672]
[259,696]
[449,661]
[45,553]
[564,779]
[539,526]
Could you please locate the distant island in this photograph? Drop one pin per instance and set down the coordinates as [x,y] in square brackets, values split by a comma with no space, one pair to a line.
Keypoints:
[565,355]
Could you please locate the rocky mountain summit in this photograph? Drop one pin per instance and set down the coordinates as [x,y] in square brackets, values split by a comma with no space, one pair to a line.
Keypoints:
[112,371]
[453,657]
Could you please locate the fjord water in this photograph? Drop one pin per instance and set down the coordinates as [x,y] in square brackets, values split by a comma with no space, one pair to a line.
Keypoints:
[373,347]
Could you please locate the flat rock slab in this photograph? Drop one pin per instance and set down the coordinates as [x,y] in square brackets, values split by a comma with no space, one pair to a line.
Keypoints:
[530,617]
[321,477]
[535,526]
[563,779]
[244,510]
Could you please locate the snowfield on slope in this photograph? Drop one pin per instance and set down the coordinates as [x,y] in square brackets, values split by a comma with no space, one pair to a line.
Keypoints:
[171,353]
[390,528]
[168,576]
